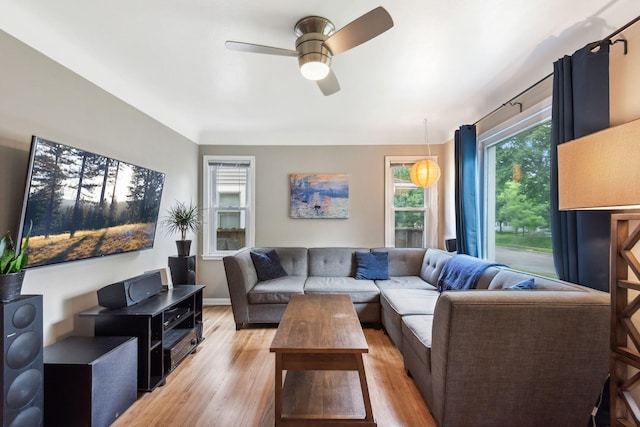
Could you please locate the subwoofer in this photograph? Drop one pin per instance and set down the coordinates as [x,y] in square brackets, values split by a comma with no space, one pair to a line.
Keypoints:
[22,367]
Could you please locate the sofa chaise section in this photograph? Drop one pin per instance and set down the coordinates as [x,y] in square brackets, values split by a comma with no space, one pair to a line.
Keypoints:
[505,358]
[497,357]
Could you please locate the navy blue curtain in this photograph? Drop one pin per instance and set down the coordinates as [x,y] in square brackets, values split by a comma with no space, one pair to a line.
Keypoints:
[580,107]
[466,201]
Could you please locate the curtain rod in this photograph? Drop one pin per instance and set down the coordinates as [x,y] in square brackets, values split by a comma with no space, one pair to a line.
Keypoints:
[510,102]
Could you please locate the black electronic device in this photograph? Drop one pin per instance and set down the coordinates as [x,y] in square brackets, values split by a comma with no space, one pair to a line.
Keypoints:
[65,183]
[178,344]
[450,245]
[89,381]
[183,270]
[130,291]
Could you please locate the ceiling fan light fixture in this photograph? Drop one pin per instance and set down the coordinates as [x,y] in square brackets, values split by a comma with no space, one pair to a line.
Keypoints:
[314,66]
[314,70]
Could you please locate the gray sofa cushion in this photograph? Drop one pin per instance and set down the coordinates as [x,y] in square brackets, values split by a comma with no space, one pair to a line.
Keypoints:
[406,302]
[403,261]
[404,282]
[396,303]
[333,262]
[276,291]
[416,333]
[359,290]
[432,265]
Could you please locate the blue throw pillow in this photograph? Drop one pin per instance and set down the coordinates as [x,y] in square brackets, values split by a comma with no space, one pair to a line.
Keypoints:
[525,284]
[268,265]
[372,265]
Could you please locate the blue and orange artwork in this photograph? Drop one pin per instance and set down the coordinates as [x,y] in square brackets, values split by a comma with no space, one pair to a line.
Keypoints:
[319,195]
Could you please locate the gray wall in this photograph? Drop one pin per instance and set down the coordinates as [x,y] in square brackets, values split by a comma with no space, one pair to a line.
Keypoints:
[365,225]
[40,97]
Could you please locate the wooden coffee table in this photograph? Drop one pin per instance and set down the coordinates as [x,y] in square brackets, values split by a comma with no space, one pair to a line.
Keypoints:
[320,342]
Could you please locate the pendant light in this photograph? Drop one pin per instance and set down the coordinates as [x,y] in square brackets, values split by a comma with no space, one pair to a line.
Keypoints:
[424,173]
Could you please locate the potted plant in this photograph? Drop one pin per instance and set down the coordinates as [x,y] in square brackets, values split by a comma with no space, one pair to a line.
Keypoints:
[12,265]
[182,218]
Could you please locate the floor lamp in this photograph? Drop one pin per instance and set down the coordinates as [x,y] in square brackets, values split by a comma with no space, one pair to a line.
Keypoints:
[602,171]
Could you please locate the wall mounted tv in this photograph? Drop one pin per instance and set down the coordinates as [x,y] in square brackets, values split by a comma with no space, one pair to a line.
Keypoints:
[84,205]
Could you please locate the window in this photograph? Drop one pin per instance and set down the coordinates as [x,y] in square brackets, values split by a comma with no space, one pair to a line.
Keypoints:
[516,191]
[229,200]
[411,213]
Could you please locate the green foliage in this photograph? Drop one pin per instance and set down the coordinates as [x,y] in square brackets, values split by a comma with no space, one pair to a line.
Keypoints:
[402,173]
[408,197]
[524,159]
[535,242]
[10,261]
[182,218]
[520,210]
[409,220]
[413,198]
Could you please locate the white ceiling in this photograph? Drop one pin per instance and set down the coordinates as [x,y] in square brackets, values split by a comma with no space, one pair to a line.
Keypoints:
[449,61]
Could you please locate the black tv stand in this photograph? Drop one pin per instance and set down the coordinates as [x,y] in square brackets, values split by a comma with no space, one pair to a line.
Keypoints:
[168,326]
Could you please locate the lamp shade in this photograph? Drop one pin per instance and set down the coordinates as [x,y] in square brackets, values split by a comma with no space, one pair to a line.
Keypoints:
[425,173]
[601,170]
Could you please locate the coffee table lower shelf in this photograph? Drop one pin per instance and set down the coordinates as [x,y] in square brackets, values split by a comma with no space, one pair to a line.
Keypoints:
[323,398]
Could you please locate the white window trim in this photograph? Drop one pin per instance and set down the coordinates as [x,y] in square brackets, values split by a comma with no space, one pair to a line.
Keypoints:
[207,254]
[534,115]
[431,227]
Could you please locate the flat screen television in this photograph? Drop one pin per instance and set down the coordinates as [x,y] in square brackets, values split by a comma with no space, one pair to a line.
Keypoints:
[83,205]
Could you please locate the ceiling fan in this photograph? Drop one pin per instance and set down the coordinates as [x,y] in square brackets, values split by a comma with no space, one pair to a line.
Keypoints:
[318,41]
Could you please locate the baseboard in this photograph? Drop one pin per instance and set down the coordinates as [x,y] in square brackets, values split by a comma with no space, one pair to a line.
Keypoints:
[216,301]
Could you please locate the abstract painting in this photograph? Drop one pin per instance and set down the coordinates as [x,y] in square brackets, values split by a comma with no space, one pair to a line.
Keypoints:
[319,195]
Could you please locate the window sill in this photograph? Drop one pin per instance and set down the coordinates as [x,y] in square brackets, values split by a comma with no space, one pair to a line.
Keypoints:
[217,256]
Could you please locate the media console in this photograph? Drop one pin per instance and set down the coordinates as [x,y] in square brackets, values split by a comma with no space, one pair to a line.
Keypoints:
[168,326]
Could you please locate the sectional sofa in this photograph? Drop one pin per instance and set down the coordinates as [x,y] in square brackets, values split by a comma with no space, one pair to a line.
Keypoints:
[487,356]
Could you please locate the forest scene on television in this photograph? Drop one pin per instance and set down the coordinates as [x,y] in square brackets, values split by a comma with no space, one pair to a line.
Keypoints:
[85,205]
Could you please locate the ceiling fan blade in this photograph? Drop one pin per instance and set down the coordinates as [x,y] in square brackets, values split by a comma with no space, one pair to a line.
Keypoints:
[258,48]
[329,85]
[363,29]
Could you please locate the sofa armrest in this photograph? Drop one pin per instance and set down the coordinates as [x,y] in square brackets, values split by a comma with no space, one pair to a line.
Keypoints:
[241,277]
[518,357]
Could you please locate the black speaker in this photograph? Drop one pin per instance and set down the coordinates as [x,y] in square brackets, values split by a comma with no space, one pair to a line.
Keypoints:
[22,368]
[130,291]
[450,245]
[183,270]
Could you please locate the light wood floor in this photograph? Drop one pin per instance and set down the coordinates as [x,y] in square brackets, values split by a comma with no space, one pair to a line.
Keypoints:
[229,382]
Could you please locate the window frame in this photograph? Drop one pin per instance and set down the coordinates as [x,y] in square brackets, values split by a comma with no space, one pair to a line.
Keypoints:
[532,116]
[430,198]
[209,253]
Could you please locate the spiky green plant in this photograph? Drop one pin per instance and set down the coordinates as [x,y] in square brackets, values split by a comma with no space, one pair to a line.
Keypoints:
[10,260]
[182,218]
